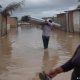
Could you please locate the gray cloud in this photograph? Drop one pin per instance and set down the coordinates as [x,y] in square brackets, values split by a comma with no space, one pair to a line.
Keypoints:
[49,4]
[40,8]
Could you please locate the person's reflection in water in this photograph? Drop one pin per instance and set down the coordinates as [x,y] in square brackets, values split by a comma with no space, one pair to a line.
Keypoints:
[5,54]
[46,61]
[49,63]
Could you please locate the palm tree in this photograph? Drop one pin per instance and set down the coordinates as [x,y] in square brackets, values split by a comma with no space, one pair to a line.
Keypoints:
[11,7]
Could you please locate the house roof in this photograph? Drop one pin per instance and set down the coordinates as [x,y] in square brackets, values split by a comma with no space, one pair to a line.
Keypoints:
[61,13]
[75,9]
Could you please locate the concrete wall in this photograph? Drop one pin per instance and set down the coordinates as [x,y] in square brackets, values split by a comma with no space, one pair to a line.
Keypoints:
[70,22]
[62,20]
[76,22]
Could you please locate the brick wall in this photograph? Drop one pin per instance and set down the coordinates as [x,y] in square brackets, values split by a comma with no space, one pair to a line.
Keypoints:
[12,21]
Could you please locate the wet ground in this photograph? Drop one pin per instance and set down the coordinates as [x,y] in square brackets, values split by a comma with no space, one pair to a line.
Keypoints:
[22,55]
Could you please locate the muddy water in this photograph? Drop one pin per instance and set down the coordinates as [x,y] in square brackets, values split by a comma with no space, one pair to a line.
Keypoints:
[22,56]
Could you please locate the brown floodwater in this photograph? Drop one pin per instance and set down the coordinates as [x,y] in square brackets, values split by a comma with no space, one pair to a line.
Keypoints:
[22,55]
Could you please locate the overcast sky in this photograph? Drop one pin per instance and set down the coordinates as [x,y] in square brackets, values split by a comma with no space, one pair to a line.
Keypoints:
[41,8]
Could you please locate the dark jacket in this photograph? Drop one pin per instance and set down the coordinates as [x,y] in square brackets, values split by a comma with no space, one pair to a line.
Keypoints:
[73,63]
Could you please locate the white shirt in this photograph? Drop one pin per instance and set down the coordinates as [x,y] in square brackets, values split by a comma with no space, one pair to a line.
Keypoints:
[47,29]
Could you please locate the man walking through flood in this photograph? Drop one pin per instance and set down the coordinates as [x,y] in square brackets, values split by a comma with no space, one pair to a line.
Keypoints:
[47,29]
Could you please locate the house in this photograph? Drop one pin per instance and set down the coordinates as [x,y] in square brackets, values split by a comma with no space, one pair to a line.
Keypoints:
[70,20]
[74,20]
[12,22]
[61,19]
[3,24]
[4,14]
[2,29]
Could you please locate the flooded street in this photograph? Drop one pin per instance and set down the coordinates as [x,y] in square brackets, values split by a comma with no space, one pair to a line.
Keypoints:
[22,55]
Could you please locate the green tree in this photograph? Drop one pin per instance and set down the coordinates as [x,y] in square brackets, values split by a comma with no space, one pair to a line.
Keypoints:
[25,18]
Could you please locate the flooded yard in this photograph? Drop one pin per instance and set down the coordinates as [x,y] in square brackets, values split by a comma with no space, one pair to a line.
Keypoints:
[22,55]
